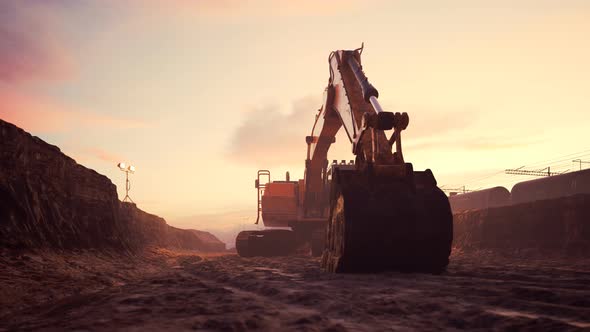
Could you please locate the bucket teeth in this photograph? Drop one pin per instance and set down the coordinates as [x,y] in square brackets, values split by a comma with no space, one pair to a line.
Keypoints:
[387,224]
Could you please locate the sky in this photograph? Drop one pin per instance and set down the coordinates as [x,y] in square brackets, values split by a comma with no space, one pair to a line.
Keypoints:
[199,95]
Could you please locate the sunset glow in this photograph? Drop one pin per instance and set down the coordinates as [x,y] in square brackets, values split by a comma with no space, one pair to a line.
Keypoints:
[199,95]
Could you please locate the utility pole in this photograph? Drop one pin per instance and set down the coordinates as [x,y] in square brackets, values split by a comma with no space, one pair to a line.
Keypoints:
[580,161]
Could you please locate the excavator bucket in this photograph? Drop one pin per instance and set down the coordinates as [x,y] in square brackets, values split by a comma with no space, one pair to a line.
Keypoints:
[380,223]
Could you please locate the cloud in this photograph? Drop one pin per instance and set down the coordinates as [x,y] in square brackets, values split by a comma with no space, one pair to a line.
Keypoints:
[259,8]
[268,137]
[435,121]
[104,155]
[471,143]
[30,47]
[432,128]
[490,143]
[85,155]
[42,115]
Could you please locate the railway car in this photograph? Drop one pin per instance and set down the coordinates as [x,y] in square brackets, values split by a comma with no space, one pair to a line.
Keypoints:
[481,199]
[563,185]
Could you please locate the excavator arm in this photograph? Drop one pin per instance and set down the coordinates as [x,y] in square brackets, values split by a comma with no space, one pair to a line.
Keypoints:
[381,214]
[350,102]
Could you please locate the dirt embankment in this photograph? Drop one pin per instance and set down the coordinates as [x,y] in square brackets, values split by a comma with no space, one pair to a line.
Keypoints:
[47,200]
[557,226]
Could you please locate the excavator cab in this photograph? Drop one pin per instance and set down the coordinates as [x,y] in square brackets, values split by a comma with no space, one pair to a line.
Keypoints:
[278,203]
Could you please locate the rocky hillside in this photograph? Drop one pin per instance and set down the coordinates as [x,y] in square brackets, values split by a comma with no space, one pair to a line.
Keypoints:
[559,225]
[48,200]
[210,239]
[151,229]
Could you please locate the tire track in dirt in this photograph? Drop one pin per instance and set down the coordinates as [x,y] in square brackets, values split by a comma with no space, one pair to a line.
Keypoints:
[465,297]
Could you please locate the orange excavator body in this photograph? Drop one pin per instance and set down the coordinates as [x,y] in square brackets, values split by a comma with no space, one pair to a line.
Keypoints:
[280,202]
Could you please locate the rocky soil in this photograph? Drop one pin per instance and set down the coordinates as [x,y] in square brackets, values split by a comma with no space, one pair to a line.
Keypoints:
[168,290]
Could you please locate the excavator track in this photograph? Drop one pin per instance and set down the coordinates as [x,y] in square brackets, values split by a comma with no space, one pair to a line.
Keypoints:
[387,223]
[266,243]
[318,238]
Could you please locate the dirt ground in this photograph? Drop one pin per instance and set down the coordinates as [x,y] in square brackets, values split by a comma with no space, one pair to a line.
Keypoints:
[165,290]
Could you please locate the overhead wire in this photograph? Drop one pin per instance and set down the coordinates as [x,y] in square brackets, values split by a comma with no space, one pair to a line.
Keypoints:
[557,164]
[559,159]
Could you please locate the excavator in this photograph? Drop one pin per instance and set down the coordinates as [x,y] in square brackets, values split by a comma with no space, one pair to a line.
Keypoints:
[370,214]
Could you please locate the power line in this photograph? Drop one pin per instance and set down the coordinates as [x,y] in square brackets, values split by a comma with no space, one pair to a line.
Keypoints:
[563,167]
[540,172]
[553,162]
[559,159]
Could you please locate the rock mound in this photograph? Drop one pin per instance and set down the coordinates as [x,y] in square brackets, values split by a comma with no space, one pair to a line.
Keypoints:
[210,239]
